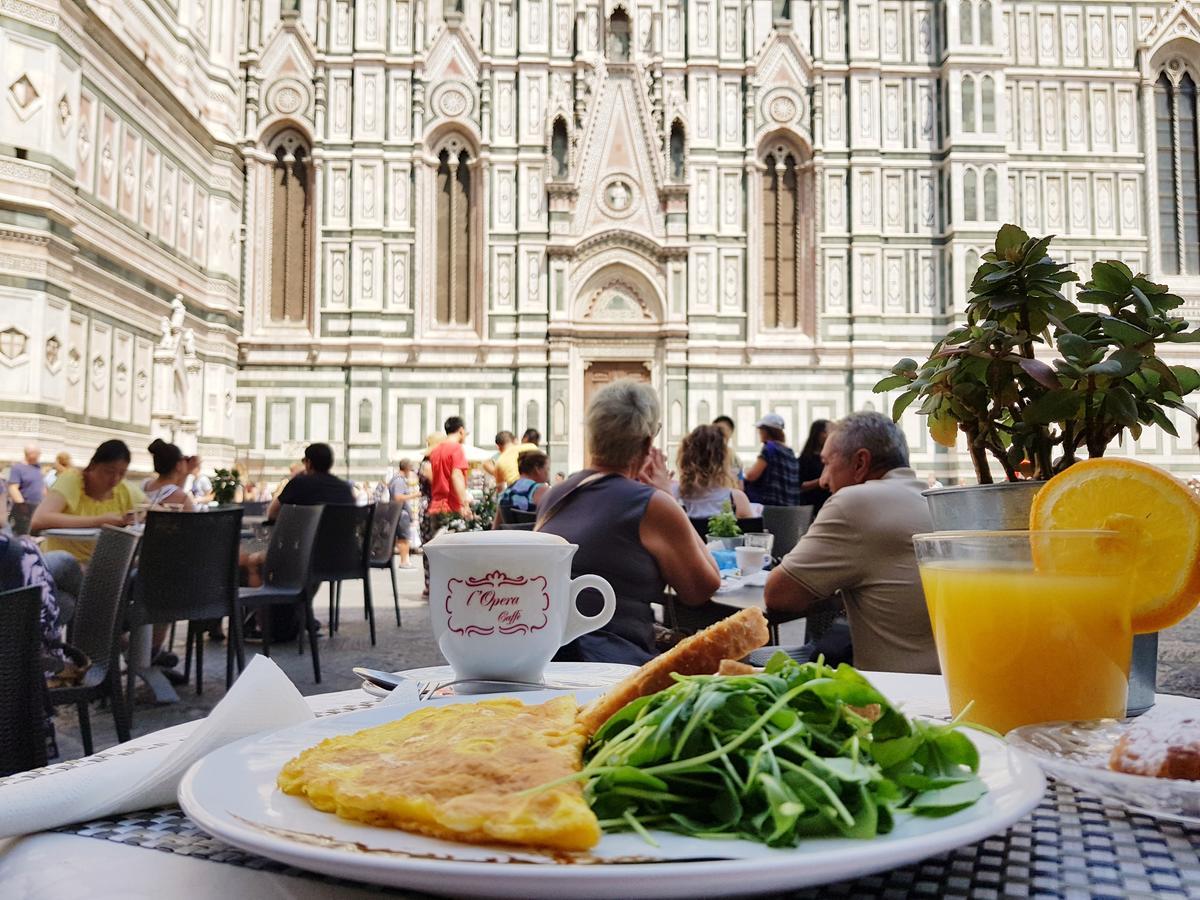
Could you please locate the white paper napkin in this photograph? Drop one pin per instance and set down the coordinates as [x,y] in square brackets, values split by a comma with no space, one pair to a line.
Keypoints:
[125,779]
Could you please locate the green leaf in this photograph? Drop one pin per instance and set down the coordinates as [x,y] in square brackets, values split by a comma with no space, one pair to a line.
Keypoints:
[1054,406]
[1009,240]
[1160,419]
[1107,277]
[1185,337]
[1188,378]
[902,403]
[904,367]
[891,383]
[1040,372]
[949,799]
[1119,403]
[1122,331]
[1074,346]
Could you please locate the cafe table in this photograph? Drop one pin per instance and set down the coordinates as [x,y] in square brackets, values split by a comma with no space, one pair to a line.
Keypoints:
[1071,845]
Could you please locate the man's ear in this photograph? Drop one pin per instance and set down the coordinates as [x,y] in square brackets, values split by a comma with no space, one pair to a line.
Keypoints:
[862,462]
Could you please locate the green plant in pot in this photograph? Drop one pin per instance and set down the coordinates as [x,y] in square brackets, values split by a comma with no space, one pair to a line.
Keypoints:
[225,484]
[1034,418]
[724,527]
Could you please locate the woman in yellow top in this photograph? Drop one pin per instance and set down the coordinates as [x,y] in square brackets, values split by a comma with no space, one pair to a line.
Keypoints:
[87,498]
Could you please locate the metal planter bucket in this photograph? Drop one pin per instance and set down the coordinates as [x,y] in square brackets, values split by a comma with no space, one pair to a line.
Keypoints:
[1005,507]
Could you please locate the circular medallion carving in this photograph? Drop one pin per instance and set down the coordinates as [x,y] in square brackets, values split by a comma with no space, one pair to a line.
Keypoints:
[783,109]
[618,196]
[453,101]
[288,98]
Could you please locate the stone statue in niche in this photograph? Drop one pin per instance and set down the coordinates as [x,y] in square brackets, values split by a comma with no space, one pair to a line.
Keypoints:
[677,152]
[178,311]
[189,342]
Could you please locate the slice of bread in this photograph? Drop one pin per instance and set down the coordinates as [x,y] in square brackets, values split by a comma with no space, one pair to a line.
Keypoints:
[698,654]
[736,667]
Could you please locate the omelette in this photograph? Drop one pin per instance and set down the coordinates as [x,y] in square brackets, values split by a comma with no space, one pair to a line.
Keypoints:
[457,772]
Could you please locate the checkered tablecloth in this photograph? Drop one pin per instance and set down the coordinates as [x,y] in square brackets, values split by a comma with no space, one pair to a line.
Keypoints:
[1071,846]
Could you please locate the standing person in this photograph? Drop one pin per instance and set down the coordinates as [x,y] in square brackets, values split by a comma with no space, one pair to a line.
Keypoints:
[401,492]
[504,440]
[171,471]
[774,478]
[507,470]
[736,472]
[90,497]
[198,484]
[315,485]
[861,545]
[26,488]
[448,472]
[62,462]
[811,467]
[705,483]
[447,482]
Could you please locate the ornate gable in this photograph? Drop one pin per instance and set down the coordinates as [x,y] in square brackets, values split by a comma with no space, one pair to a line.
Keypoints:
[287,63]
[784,77]
[1181,20]
[620,174]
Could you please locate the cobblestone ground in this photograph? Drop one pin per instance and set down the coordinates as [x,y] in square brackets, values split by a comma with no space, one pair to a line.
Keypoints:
[412,645]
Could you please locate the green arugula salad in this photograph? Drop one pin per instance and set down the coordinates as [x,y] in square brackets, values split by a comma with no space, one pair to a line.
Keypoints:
[796,751]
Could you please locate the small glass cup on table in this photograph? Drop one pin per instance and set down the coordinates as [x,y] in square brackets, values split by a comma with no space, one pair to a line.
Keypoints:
[1030,626]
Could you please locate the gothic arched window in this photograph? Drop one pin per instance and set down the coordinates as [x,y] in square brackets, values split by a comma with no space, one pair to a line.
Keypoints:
[1178,204]
[618,35]
[968,103]
[987,98]
[985,23]
[455,238]
[677,149]
[970,196]
[365,415]
[291,230]
[559,148]
[966,22]
[991,201]
[784,249]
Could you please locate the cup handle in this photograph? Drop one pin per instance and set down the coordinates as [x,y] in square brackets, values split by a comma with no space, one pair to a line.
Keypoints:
[577,622]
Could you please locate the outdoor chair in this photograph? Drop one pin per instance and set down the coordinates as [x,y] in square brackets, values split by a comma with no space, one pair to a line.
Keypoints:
[287,578]
[787,523]
[96,630]
[188,570]
[343,553]
[254,508]
[519,517]
[383,544]
[22,682]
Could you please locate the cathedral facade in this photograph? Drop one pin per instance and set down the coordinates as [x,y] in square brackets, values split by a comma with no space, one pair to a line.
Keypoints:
[249,225]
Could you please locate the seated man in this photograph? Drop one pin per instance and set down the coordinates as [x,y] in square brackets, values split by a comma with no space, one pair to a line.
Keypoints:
[316,485]
[861,544]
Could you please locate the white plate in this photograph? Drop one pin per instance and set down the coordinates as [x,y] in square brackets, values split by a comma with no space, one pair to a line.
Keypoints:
[232,794]
[577,676]
[77,533]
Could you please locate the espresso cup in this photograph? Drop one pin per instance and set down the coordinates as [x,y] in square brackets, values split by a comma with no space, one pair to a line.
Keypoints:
[751,559]
[503,602]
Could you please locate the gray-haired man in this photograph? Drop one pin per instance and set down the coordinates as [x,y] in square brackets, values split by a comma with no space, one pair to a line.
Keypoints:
[861,544]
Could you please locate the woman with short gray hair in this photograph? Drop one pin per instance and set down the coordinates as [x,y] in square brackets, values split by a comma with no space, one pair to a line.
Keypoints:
[629,529]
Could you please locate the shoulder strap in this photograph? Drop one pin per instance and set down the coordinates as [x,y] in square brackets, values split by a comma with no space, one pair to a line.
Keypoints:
[549,512]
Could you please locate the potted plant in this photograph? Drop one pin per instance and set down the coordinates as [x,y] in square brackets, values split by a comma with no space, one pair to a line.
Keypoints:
[724,527]
[1030,417]
[225,484]
[1033,418]
[484,510]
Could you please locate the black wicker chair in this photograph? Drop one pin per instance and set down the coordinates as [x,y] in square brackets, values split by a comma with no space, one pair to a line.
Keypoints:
[343,553]
[287,577]
[788,524]
[96,630]
[383,545]
[188,570]
[255,508]
[22,682]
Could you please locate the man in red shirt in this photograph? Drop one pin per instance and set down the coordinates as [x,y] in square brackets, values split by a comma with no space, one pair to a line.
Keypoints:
[448,478]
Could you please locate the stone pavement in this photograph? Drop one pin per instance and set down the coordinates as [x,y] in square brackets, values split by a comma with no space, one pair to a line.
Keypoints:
[412,645]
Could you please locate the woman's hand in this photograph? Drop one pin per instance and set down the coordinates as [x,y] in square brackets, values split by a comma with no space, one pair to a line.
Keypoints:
[654,471]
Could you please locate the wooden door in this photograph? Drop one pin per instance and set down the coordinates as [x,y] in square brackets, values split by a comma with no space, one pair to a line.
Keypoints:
[599,374]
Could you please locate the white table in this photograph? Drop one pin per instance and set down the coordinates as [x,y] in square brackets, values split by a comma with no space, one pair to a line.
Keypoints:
[51,866]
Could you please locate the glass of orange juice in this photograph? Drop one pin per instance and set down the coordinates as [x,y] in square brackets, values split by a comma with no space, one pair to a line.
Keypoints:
[1030,626]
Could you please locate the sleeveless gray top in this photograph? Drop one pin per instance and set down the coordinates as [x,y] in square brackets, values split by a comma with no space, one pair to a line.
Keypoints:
[603,518]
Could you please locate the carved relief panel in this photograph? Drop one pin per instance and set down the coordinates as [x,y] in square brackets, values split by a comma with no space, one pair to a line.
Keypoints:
[504,209]
[150,163]
[399,207]
[505,117]
[368,276]
[167,206]
[201,224]
[368,104]
[398,278]
[504,269]
[369,22]
[108,176]
[85,143]
[183,235]
[731,201]
[402,26]
[337,274]
[338,118]
[533,196]
[368,194]
[400,105]
[701,210]
[338,201]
